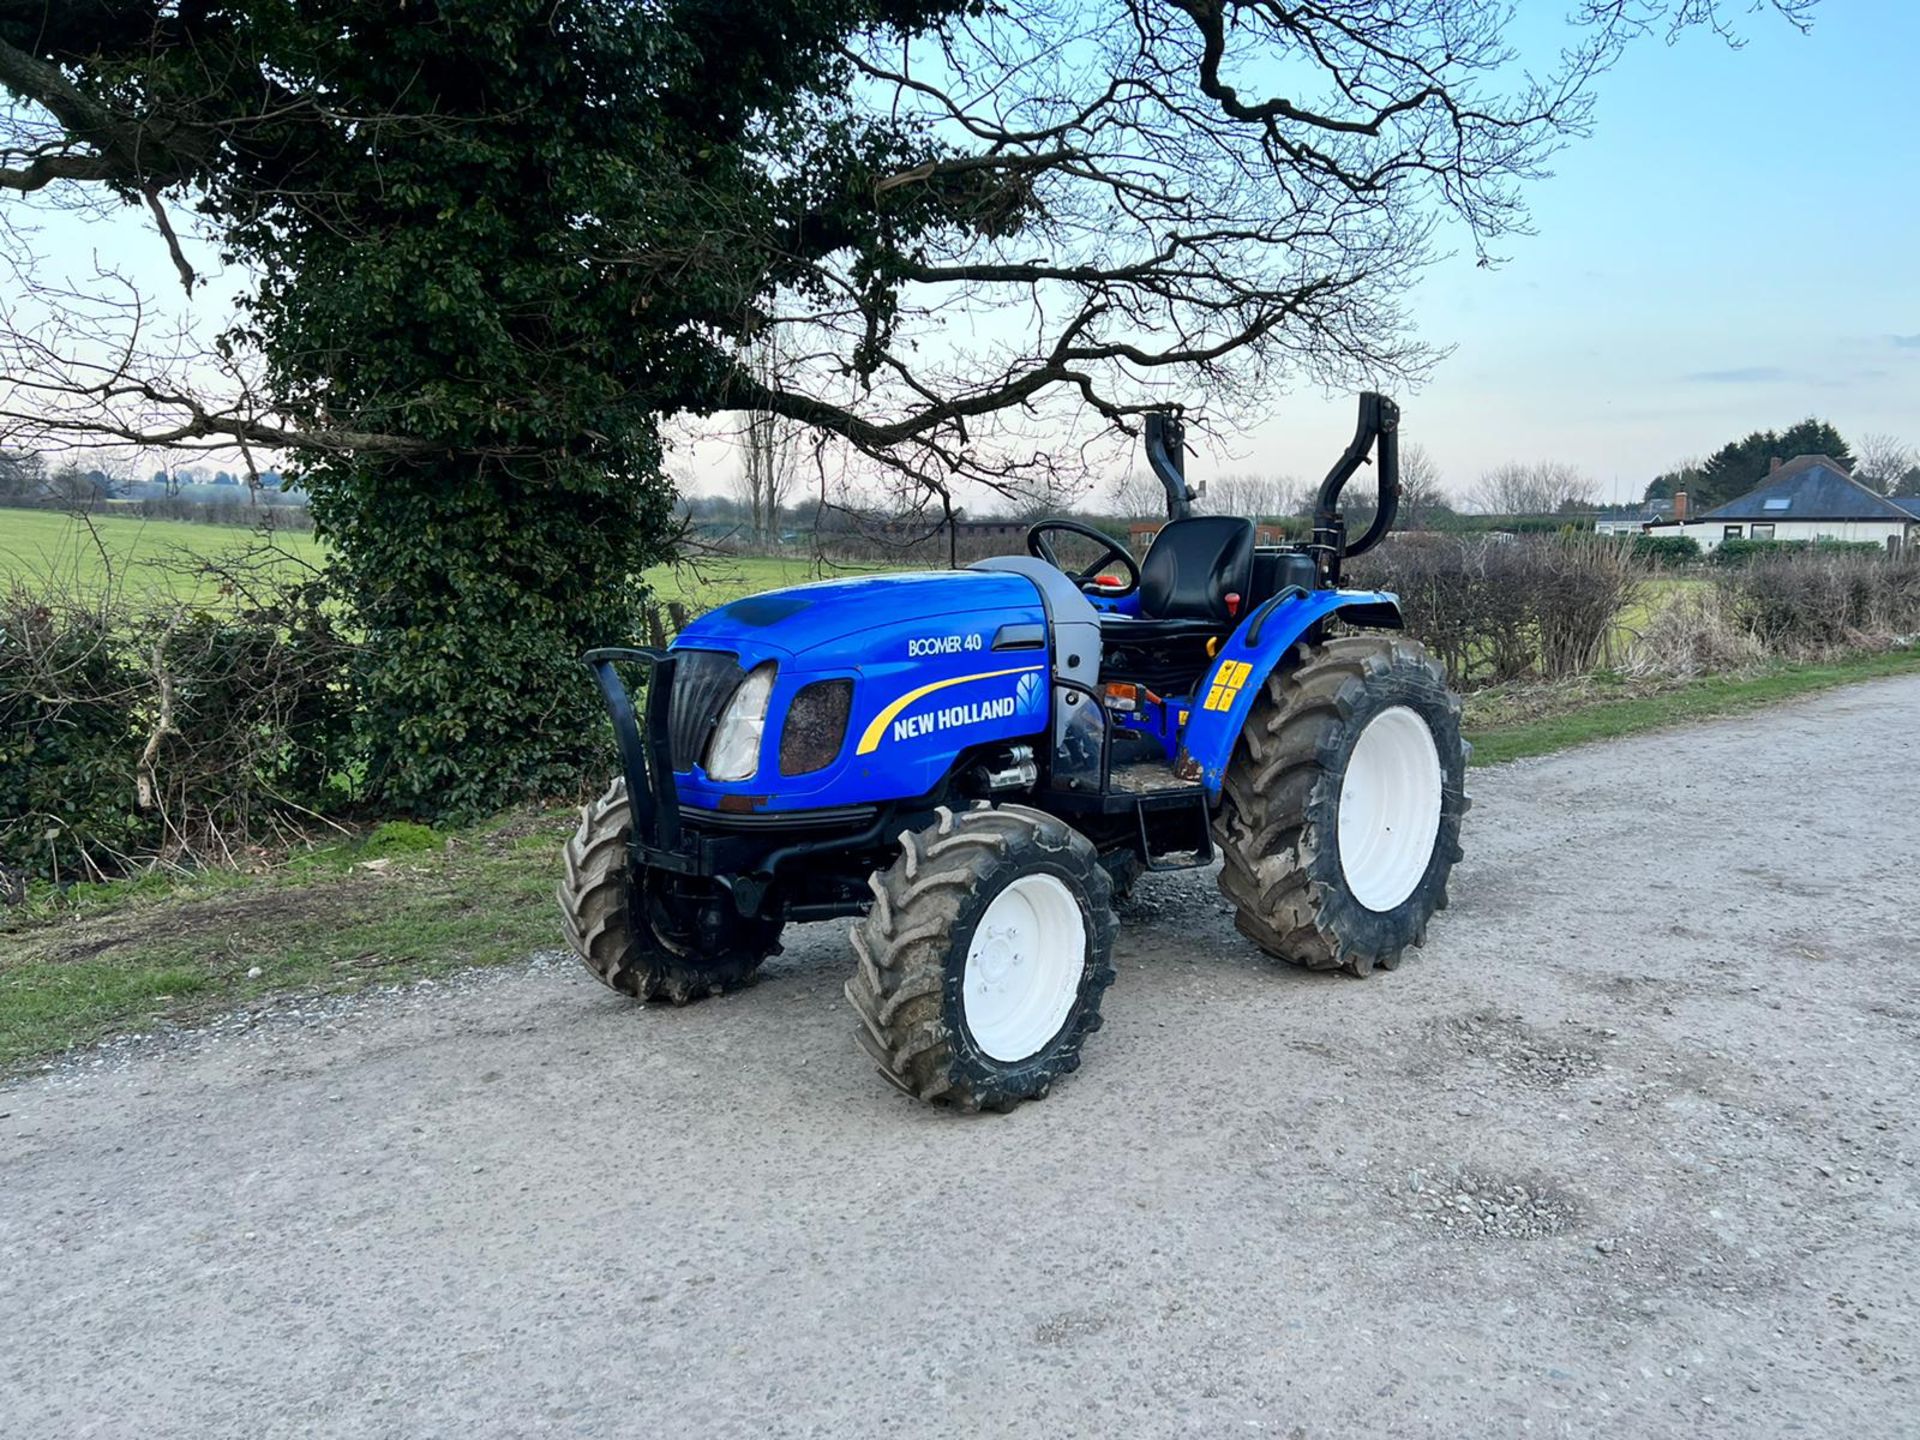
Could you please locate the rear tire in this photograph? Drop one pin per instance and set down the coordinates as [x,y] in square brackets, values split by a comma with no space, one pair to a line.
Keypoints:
[983,961]
[625,939]
[1294,780]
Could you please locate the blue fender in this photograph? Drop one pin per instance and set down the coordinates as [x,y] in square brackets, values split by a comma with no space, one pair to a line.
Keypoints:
[1226,697]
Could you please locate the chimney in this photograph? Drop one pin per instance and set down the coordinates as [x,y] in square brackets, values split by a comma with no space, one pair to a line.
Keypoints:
[1680,506]
[1774,466]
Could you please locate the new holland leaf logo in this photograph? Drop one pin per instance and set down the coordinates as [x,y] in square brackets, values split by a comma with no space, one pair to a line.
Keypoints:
[1226,685]
[1027,694]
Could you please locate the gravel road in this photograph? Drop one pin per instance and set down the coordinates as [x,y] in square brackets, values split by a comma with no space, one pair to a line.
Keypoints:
[1628,1150]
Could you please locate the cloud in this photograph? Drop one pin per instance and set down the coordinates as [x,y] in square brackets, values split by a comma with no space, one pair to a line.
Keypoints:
[1905,342]
[1746,375]
[1850,379]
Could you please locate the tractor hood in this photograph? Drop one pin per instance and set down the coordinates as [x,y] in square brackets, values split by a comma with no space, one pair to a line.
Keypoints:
[827,621]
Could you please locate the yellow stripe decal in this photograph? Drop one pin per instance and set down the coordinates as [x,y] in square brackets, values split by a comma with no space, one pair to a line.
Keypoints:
[871,740]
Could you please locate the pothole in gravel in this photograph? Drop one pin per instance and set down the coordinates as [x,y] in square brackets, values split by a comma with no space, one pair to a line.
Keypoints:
[1070,1325]
[1471,1205]
[1530,1056]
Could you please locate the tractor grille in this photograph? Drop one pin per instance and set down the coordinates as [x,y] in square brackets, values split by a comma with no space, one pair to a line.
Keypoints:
[703,683]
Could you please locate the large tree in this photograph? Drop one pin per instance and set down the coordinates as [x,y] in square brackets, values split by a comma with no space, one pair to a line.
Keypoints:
[495,242]
[1546,488]
[484,236]
[23,477]
[1684,476]
[1739,465]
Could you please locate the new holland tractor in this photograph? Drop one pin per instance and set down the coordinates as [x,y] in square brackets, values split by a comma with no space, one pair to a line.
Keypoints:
[975,762]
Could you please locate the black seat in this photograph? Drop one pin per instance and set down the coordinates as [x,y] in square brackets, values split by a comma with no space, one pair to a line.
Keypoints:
[1189,571]
[1194,565]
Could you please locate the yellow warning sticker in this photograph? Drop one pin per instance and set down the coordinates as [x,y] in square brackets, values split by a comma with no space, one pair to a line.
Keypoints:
[1226,685]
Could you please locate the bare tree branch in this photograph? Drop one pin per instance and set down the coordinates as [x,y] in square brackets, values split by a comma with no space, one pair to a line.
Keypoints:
[165,226]
[1114,206]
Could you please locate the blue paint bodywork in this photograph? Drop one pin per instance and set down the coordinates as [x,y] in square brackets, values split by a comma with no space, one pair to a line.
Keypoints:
[1209,734]
[941,662]
[895,636]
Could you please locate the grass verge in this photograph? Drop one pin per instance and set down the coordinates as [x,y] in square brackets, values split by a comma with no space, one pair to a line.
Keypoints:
[400,904]
[1501,727]
[405,903]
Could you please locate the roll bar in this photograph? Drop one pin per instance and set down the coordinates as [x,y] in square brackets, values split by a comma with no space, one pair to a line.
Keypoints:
[1167,454]
[1378,426]
[1377,430]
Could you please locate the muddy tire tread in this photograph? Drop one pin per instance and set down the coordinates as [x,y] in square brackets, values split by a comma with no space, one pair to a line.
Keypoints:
[901,947]
[1276,779]
[620,948]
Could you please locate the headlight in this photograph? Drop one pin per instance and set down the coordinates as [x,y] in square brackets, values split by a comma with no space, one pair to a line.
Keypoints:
[816,723]
[734,753]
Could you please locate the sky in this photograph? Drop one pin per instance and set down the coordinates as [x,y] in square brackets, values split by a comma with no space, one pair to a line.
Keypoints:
[1735,247]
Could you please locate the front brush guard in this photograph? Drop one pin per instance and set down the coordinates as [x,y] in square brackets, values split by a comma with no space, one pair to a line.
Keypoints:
[644,755]
[741,856]
[742,865]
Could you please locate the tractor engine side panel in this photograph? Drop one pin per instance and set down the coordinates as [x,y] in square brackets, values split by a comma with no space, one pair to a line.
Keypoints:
[930,681]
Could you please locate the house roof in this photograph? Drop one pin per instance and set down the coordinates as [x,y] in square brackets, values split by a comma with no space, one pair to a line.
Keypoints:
[1810,487]
[1908,503]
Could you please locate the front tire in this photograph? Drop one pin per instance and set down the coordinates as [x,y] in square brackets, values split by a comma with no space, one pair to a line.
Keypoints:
[626,938]
[983,961]
[1340,815]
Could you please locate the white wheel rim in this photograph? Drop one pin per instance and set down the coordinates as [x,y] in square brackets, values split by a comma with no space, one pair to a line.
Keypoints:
[1389,808]
[1024,965]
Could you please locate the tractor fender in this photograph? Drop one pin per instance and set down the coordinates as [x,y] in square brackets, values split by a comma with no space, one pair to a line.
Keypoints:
[1255,649]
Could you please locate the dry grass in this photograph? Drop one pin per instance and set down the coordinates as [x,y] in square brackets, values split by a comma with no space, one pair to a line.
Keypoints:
[1694,633]
[1512,723]
[1810,605]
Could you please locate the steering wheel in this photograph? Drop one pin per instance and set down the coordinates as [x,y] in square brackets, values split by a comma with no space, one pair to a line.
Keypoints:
[1041,548]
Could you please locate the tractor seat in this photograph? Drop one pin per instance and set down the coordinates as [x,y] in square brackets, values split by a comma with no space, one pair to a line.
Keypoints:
[1189,571]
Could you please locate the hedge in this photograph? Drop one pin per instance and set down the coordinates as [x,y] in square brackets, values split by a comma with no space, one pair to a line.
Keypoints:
[135,729]
[1666,549]
[1494,609]
[1742,552]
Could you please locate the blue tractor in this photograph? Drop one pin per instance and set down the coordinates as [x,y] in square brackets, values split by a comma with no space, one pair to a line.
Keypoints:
[975,762]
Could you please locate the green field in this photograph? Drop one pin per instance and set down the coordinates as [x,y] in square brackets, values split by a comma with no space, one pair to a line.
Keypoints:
[158,558]
[48,549]
[704,584]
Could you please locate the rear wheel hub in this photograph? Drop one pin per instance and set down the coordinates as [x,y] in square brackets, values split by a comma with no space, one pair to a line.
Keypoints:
[1389,808]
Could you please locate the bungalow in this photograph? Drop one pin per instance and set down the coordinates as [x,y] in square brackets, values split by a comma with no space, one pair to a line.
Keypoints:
[1807,498]
[1626,524]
